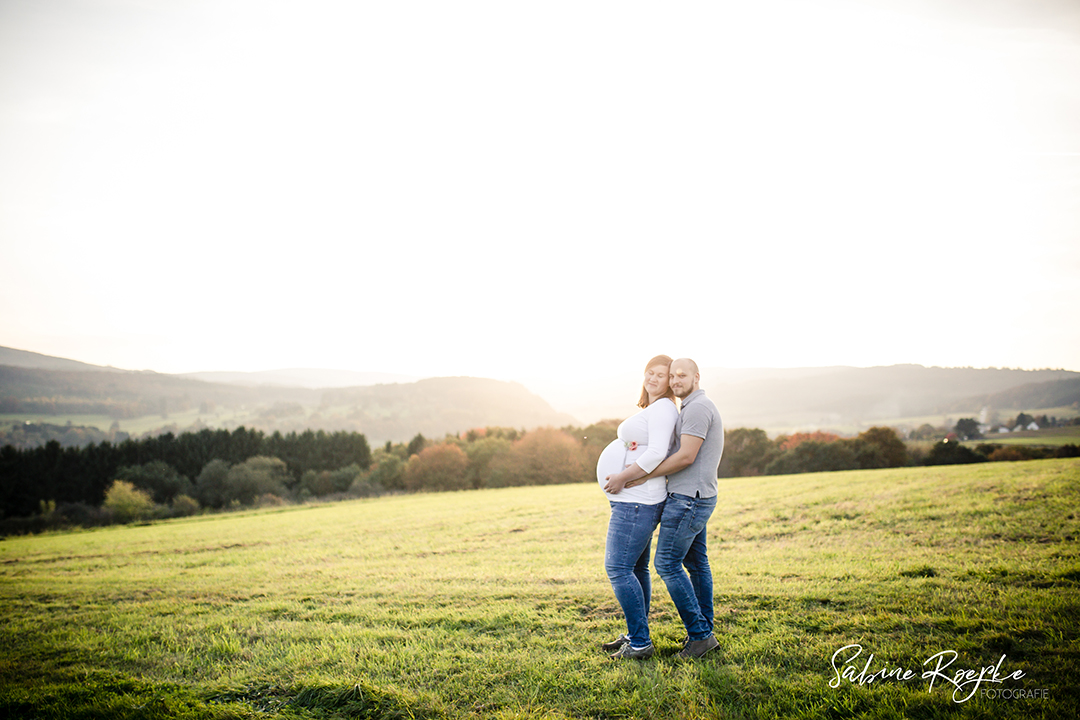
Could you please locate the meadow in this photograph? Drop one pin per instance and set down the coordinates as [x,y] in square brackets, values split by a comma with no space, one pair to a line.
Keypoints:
[133,426]
[1052,437]
[493,603]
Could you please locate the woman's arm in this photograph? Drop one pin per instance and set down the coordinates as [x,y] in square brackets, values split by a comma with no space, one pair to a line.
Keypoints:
[661,418]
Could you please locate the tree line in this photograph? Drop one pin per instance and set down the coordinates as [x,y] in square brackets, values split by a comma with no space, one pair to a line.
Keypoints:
[82,475]
[172,475]
[749,451]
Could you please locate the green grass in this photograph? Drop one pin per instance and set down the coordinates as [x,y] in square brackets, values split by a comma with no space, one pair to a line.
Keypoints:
[1054,437]
[133,426]
[939,420]
[492,604]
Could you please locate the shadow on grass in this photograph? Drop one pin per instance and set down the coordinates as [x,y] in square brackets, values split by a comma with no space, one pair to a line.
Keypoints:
[95,695]
[330,701]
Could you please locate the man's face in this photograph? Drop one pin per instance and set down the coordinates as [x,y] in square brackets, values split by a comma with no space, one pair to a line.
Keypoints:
[683,382]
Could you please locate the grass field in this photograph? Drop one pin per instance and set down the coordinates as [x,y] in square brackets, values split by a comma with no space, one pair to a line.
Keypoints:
[492,604]
[945,420]
[134,426]
[1054,437]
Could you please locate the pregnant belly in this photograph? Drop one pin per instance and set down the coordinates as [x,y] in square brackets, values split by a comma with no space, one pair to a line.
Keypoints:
[611,461]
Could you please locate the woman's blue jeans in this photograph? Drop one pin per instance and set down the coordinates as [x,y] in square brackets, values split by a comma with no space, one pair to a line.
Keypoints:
[682,543]
[626,560]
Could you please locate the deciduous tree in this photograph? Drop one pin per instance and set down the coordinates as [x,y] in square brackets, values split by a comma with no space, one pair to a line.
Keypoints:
[439,467]
[542,457]
[967,428]
[128,503]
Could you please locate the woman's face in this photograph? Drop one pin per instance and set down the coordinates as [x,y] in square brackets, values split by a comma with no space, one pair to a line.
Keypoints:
[656,380]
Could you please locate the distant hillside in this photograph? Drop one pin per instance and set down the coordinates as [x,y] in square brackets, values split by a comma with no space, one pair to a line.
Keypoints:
[438,405]
[125,394]
[27,359]
[1052,394]
[395,412]
[861,395]
[773,398]
[814,397]
[301,377]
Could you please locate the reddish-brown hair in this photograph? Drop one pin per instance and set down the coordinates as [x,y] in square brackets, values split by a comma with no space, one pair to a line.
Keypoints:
[658,360]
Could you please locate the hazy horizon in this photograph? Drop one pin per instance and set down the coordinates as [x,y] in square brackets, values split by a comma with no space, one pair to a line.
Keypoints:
[779,399]
[565,190]
[523,378]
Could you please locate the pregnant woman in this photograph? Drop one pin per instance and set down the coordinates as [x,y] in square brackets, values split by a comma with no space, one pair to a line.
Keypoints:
[643,442]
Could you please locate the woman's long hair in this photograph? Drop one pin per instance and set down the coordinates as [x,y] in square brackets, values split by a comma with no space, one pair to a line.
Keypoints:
[658,360]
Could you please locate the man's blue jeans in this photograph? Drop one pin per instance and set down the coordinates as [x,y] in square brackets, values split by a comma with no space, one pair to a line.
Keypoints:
[626,560]
[682,543]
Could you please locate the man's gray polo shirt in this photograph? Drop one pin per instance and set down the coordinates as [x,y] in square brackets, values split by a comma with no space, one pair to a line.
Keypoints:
[700,418]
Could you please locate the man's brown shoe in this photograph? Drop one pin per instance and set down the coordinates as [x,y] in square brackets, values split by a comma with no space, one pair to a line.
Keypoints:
[697,648]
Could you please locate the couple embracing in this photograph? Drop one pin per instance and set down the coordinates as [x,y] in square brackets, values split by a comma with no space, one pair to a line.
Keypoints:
[661,470]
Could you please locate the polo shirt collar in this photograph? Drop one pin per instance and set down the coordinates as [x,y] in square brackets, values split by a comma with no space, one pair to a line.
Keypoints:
[691,397]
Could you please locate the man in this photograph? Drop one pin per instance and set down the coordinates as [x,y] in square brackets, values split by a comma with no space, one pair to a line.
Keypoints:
[691,484]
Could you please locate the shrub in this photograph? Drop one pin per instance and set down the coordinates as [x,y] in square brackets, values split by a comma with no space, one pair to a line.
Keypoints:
[128,503]
[158,478]
[813,456]
[791,442]
[255,477]
[219,485]
[481,453]
[1007,454]
[747,452]
[886,449]
[82,514]
[211,487]
[595,438]
[315,483]
[343,478]
[389,474]
[1013,453]
[184,505]
[952,453]
[542,457]
[269,500]
[439,467]
[364,486]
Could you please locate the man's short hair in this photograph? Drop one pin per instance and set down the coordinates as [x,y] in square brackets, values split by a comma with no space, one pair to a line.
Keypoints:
[691,363]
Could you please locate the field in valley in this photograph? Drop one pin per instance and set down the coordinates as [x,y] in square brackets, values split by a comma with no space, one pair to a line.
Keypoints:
[493,603]
[1052,437]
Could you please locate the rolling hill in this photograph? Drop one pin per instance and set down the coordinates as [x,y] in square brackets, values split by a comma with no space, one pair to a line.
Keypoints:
[40,387]
[822,397]
[395,411]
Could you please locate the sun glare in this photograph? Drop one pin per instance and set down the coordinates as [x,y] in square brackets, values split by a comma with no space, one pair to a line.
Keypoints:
[430,155]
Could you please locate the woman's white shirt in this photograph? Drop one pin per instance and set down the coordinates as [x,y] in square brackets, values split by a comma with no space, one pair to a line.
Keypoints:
[653,429]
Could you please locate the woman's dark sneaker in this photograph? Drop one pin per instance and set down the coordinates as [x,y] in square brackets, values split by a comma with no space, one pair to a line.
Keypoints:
[628,652]
[616,644]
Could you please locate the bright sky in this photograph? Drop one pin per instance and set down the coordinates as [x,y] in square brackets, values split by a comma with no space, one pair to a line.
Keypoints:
[512,189]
